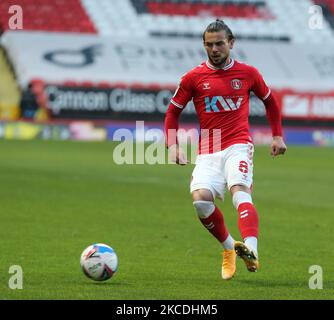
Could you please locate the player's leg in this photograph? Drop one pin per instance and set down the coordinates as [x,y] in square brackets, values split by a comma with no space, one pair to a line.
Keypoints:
[248,223]
[239,175]
[212,219]
[207,183]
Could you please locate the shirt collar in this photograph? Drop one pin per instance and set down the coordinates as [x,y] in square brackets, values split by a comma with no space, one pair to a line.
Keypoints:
[229,66]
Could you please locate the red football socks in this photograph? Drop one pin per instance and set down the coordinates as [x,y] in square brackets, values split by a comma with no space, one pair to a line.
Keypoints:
[215,224]
[248,220]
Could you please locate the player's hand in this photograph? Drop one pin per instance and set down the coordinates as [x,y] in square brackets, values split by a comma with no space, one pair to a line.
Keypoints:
[176,155]
[278,146]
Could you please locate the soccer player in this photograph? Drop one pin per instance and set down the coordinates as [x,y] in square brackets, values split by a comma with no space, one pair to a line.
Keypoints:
[220,89]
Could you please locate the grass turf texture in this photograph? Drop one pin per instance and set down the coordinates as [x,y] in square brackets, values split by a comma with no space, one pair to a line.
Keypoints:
[56,198]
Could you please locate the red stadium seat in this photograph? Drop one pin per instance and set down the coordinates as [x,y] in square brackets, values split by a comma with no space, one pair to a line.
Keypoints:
[56,15]
[138,85]
[154,86]
[86,84]
[237,10]
[70,83]
[121,85]
[104,85]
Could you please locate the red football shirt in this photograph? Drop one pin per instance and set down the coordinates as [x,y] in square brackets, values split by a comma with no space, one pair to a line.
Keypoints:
[221,99]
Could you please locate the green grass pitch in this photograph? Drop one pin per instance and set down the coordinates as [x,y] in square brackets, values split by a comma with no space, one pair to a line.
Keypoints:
[56,198]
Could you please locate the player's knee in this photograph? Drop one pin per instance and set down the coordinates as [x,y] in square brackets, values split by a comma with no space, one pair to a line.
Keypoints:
[204,208]
[240,197]
[202,194]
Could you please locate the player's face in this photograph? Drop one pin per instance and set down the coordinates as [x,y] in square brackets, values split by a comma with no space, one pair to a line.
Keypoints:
[218,47]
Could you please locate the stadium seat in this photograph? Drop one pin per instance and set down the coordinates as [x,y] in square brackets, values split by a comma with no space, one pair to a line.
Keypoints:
[86,84]
[40,16]
[114,17]
[70,83]
[104,85]
[122,85]
[187,8]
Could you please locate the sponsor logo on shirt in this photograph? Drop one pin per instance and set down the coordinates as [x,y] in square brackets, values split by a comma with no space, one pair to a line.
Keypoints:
[225,103]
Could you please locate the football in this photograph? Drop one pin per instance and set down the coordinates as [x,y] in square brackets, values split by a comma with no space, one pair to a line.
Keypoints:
[99,262]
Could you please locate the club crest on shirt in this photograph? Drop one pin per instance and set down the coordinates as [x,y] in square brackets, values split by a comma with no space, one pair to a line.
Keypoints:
[236,84]
[206,86]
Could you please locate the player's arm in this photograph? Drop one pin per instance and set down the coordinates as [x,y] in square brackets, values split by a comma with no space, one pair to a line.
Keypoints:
[178,102]
[274,117]
[175,152]
[273,113]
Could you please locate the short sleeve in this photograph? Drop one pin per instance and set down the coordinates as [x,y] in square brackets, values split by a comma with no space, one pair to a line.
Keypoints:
[183,93]
[259,86]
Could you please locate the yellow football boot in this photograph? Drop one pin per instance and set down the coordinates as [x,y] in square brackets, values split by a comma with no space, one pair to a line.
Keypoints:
[229,262]
[249,257]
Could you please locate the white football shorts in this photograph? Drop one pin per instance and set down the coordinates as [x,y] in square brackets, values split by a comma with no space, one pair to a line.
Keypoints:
[226,168]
